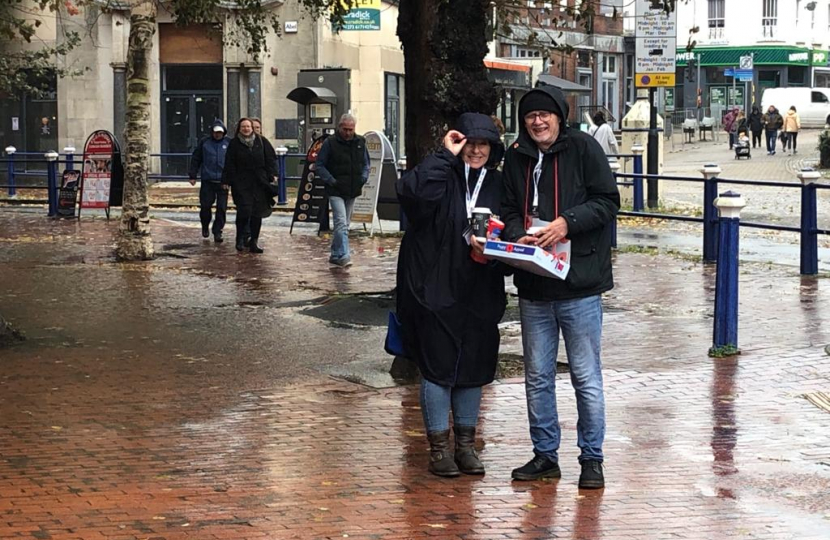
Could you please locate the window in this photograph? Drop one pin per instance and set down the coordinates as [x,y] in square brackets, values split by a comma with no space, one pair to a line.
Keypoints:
[820,97]
[716,14]
[769,19]
[609,64]
[607,7]
[583,59]
[797,11]
[547,5]
[531,3]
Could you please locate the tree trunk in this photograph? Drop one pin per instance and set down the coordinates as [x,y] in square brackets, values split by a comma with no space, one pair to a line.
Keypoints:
[444,43]
[134,240]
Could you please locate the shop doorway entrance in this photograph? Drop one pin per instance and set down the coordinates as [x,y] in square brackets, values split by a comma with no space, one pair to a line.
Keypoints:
[191,100]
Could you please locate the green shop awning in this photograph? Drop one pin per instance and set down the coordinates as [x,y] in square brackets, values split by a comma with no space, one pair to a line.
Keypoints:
[730,56]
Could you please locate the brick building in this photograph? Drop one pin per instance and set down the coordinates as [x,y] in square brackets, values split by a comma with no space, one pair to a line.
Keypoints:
[584,58]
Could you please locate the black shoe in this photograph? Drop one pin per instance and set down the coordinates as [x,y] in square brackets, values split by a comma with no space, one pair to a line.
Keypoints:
[246,241]
[591,477]
[536,468]
[205,231]
[441,461]
[465,454]
[218,238]
[255,248]
[240,245]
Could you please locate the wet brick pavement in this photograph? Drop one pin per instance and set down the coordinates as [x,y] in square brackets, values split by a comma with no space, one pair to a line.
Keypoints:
[126,433]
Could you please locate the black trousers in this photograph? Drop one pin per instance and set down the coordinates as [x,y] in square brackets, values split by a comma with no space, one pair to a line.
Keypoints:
[756,139]
[791,141]
[246,224]
[211,193]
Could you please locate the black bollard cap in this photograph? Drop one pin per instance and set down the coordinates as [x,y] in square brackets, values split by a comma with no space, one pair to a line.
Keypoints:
[730,193]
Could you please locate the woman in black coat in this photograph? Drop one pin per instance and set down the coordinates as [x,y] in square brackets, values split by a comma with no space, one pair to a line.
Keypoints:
[756,125]
[449,305]
[249,168]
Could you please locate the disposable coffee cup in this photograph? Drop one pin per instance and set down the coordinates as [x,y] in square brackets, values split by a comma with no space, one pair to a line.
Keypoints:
[480,217]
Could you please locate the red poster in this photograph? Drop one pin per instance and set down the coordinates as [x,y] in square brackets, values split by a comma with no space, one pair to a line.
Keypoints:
[97,170]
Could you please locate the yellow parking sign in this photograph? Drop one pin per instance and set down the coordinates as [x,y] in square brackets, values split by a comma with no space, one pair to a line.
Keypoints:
[651,80]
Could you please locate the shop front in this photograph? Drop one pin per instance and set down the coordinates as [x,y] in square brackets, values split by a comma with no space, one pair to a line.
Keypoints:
[821,71]
[714,79]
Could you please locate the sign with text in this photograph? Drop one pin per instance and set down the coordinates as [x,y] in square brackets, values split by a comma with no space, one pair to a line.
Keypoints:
[96,175]
[363,15]
[656,46]
[68,192]
[312,201]
[380,150]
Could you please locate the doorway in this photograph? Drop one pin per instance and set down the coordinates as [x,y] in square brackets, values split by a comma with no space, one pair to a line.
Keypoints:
[392,117]
[191,99]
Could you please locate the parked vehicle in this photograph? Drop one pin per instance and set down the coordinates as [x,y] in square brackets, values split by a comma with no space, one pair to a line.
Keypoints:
[813,104]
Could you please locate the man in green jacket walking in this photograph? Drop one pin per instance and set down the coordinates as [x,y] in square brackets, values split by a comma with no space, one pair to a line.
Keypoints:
[343,164]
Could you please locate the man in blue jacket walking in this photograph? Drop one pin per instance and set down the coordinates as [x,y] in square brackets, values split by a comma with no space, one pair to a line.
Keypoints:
[208,161]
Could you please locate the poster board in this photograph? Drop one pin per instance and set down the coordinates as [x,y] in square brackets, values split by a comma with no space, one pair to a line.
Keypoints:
[312,201]
[96,174]
[364,205]
[68,192]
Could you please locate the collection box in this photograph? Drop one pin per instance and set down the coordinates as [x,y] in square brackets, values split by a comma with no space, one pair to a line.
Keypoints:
[555,263]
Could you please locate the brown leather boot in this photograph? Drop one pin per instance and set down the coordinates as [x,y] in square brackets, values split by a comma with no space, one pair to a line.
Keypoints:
[465,452]
[440,458]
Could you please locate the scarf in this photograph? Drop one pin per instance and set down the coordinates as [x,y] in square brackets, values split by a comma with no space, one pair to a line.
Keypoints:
[248,141]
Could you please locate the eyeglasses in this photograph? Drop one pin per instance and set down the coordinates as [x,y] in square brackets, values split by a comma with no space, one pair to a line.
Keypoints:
[544,116]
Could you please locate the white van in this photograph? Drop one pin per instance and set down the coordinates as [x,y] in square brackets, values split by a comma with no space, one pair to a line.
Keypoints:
[812,104]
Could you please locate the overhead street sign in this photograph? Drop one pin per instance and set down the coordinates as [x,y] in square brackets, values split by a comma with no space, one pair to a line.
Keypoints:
[656,40]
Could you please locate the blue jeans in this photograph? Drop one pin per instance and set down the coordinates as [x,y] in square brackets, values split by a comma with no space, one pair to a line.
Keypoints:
[436,401]
[341,209]
[580,321]
[772,136]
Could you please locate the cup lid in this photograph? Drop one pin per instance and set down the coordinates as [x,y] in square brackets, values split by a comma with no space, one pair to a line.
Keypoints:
[481,210]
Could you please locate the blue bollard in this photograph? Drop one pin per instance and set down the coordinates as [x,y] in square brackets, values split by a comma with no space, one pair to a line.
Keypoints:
[615,166]
[10,151]
[282,196]
[809,222]
[637,204]
[69,151]
[725,339]
[710,219]
[52,181]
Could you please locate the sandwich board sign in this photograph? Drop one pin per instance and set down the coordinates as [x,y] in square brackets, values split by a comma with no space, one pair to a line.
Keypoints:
[656,45]
[380,153]
[312,204]
[101,168]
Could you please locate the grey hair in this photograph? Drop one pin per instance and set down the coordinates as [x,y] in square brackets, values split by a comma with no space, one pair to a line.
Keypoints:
[346,118]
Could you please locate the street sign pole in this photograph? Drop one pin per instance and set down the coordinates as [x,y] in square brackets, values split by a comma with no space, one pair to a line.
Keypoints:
[653,148]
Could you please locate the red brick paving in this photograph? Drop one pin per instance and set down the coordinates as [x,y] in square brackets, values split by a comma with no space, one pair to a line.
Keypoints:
[94,445]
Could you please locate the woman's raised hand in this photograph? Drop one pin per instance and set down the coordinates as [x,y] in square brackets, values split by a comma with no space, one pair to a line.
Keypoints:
[454,141]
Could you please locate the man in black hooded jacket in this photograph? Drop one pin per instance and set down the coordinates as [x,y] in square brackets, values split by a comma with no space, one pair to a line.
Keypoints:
[557,180]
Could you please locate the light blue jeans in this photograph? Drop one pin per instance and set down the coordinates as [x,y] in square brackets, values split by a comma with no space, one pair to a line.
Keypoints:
[436,401]
[341,210]
[580,321]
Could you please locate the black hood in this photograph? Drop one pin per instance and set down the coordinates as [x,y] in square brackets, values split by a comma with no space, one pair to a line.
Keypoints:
[524,140]
[481,126]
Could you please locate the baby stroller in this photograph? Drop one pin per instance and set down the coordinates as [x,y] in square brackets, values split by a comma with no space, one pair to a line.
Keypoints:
[742,148]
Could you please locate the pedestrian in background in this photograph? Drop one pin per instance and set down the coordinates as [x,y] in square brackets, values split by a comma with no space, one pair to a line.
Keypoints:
[449,304]
[604,134]
[208,162]
[792,124]
[249,169]
[728,124]
[772,123]
[343,165]
[557,181]
[756,125]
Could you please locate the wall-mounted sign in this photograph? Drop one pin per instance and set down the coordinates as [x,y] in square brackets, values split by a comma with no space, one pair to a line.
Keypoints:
[656,40]
[291,27]
[364,15]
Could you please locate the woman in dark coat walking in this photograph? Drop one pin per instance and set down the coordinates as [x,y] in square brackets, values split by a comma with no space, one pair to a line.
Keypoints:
[756,125]
[249,168]
[449,304]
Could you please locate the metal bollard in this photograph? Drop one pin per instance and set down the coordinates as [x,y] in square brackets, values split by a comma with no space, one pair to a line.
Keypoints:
[52,181]
[637,204]
[70,158]
[725,339]
[615,166]
[10,151]
[809,222]
[282,196]
[710,219]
